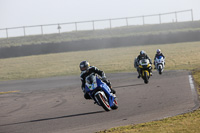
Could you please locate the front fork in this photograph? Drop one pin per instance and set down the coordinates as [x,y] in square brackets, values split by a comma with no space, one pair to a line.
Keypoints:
[107,90]
[142,72]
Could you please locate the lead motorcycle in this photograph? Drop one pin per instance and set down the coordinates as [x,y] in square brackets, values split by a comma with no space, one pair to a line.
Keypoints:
[145,68]
[100,92]
[160,64]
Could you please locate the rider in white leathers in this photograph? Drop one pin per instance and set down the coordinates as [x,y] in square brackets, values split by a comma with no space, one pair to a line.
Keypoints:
[158,53]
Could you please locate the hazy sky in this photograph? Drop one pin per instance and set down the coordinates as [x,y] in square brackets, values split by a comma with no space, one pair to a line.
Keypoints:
[15,13]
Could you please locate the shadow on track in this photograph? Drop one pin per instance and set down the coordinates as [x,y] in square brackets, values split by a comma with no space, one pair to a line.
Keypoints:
[54,118]
[129,85]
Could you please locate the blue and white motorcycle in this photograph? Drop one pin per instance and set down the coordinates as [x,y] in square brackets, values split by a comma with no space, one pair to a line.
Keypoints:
[100,92]
[160,64]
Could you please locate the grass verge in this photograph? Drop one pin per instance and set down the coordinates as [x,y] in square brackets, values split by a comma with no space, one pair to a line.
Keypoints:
[178,56]
[185,123]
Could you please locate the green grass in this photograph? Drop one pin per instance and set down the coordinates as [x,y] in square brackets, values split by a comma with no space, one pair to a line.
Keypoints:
[178,56]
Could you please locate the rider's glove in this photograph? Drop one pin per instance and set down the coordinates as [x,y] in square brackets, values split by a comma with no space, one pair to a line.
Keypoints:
[104,78]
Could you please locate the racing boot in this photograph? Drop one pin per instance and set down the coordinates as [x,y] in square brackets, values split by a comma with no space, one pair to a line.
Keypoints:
[138,75]
[138,70]
[87,96]
[150,71]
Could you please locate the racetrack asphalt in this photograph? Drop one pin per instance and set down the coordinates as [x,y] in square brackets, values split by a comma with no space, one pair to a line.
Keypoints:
[57,105]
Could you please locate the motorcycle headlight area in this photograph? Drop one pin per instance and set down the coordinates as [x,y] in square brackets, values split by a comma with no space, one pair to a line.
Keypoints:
[90,79]
[90,86]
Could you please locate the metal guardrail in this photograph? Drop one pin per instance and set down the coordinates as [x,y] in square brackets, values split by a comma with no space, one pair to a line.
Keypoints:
[59,25]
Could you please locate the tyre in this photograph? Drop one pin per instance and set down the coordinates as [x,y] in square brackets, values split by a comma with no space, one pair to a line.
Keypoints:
[160,70]
[146,79]
[103,101]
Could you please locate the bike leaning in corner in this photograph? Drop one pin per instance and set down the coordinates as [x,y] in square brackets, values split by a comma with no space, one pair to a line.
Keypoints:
[145,68]
[160,64]
[100,92]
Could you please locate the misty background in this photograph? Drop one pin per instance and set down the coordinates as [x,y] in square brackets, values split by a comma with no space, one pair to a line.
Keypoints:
[40,12]
[15,13]
[28,12]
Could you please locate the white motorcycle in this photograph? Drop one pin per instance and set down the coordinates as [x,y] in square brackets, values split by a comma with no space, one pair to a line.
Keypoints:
[160,64]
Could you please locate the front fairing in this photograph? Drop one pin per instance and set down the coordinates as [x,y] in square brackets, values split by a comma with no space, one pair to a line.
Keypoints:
[90,88]
[159,60]
[93,86]
[144,64]
[99,85]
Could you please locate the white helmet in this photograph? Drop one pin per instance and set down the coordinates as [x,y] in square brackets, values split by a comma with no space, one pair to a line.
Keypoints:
[158,51]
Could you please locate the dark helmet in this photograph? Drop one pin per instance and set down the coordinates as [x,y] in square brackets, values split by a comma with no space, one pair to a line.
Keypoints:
[142,53]
[84,65]
[158,51]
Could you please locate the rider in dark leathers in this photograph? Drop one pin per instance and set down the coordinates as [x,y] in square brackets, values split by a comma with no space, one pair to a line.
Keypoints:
[86,70]
[142,55]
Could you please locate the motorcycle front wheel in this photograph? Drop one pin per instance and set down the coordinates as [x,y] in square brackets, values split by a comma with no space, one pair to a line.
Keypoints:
[115,106]
[160,70]
[146,79]
[103,102]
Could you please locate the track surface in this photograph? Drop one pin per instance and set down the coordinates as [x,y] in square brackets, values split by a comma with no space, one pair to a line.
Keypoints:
[56,105]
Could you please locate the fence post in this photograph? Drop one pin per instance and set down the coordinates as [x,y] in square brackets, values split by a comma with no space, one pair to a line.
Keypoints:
[24,31]
[75,25]
[41,30]
[192,14]
[6,32]
[160,18]
[176,16]
[93,25]
[143,20]
[59,27]
[110,24]
[126,21]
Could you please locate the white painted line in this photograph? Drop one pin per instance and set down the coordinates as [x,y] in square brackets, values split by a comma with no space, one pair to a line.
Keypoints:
[192,85]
